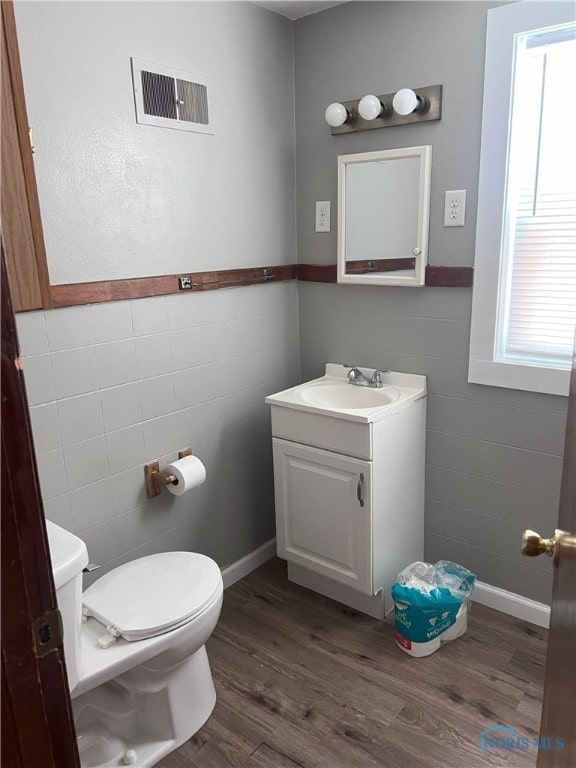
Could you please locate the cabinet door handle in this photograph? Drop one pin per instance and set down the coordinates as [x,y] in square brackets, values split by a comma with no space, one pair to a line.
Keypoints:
[360,489]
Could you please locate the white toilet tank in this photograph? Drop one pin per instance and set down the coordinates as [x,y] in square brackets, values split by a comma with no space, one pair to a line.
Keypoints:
[69,556]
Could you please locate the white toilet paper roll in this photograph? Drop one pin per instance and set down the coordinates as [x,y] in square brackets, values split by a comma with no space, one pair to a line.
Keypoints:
[189,473]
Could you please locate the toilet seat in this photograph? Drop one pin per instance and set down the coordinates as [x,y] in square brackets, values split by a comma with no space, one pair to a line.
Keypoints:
[153,595]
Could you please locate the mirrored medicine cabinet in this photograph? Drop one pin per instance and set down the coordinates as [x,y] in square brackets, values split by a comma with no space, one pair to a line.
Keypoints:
[383,216]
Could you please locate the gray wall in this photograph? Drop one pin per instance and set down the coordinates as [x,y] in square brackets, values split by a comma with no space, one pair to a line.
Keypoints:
[493,455]
[120,199]
[379,47]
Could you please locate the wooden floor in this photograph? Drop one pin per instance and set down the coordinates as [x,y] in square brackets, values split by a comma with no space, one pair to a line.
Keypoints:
[304,681]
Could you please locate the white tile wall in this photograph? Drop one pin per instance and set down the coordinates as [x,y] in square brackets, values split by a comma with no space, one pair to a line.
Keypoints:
[80,418]
[153,356]
[181,313]
[157,396]
[125,448]
[58,510]
[52,474]
[112,321]
[74,371]
[112,386]
[116,361]
[32,333]
[150,316]
[162,435]
[39,380]
[121,406]
[91,504]
[86,462]
[68,328]
[46,428]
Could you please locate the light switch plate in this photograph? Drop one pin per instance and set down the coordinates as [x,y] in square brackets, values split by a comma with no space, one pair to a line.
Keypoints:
[323,216]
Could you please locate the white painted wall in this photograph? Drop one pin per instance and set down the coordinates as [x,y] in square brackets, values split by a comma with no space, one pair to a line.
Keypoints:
[120,199]
[116,385]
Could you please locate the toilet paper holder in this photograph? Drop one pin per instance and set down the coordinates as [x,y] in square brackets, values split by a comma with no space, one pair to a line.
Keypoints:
[156,480]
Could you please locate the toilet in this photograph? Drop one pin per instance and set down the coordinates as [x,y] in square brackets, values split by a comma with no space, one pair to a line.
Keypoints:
[134,644]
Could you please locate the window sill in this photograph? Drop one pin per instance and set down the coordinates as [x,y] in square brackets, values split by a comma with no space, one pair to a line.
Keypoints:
[531,378]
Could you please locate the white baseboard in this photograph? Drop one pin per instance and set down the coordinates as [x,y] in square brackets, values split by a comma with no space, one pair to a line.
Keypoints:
[485,594]
[512,604]
[233,573]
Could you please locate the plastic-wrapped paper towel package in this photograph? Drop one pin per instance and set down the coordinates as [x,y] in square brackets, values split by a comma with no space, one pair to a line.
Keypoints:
[431,605]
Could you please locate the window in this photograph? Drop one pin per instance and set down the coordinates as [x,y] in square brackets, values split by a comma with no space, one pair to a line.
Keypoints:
[524,308]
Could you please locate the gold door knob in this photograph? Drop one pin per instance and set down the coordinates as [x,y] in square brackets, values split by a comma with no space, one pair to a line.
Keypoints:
[533,544]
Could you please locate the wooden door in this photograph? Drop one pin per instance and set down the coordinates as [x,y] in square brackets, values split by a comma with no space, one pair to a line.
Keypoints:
[37,725]
[559,705]
[324,512]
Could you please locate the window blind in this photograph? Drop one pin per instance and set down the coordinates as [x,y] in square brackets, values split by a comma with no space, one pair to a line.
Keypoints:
[537,312]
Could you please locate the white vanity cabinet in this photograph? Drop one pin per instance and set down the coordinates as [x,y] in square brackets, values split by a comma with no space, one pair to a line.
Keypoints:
[349,490]
[324,512]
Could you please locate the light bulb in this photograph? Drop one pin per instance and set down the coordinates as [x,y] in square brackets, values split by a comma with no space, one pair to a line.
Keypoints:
[370,107]
[336,114]
[405,101]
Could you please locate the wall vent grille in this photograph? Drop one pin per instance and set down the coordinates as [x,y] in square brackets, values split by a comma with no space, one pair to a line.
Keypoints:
[170,98]
[158,95]
[192,102]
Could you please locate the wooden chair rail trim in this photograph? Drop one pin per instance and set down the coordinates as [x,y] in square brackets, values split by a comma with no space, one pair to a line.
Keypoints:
[450,277]
[74,294]
[163,285]
[447,277]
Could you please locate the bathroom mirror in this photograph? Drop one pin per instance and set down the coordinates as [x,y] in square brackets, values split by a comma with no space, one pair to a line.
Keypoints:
[383,216]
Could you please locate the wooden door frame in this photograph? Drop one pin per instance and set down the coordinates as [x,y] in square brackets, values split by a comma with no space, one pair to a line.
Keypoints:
[28,269]
[37,722]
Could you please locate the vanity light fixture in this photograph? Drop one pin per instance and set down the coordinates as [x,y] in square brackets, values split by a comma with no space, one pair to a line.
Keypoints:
[336,115]
[401,108]
[370,107]
[406,101]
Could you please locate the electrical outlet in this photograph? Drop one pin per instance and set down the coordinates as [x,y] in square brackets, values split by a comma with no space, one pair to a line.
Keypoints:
[323,216]
[455,208]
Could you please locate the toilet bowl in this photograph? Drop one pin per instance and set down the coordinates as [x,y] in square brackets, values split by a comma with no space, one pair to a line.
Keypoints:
[134,642]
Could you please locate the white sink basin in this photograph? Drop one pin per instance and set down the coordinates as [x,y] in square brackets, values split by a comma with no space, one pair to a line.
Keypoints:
[333,393]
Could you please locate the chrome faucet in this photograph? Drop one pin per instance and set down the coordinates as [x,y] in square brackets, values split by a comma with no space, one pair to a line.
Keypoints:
[355,376]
